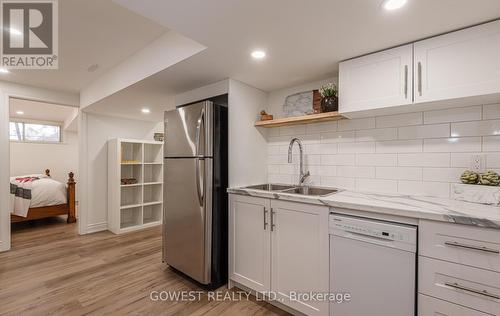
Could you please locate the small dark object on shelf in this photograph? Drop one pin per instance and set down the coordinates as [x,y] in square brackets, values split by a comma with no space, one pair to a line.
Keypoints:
[127,181]
[158,137]
[329,104]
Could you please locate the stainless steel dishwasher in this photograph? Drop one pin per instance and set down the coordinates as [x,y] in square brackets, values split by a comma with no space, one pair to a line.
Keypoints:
[373,261]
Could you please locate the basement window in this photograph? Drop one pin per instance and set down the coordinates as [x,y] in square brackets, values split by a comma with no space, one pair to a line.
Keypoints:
[34,132]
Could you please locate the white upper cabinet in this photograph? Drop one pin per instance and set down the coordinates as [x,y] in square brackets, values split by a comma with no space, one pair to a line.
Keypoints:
[461,64]
[376,81]
[455,69]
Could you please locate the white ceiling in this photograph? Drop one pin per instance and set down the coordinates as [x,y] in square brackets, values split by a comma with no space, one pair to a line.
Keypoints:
[90,32]
[304,40]
[40,111]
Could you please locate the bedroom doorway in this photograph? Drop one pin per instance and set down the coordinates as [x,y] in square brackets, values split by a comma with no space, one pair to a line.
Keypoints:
[43,165]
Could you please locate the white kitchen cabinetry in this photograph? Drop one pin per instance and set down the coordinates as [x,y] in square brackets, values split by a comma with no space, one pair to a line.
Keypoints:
[429,306]
[280,247]
[450,70]
[376,81]
[459,267]
[249,235]
[459,64]
[300,253]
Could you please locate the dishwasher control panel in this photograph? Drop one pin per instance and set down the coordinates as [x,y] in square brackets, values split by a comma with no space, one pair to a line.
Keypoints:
[385,232]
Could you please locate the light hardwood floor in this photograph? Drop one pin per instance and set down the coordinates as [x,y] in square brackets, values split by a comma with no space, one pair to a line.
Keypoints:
[51,270]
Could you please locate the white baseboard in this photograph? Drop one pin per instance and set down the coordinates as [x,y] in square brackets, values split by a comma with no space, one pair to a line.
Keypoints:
[97,227]
[3,246]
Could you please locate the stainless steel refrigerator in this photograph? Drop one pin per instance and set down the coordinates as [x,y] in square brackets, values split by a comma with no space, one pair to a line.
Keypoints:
[195,177]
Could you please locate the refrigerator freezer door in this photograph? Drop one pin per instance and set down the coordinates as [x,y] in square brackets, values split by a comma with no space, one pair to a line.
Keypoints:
[188,216]
[188,131]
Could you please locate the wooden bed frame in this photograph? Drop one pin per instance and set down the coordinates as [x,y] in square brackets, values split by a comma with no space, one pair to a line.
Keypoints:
[54,210]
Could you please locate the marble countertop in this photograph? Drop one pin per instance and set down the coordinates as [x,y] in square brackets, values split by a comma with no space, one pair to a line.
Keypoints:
[420,207]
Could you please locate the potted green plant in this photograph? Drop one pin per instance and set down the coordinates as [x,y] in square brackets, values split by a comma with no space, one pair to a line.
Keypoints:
[329,99]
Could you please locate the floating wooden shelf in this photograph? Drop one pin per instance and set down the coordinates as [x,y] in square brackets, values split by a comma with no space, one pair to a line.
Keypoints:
[312,118]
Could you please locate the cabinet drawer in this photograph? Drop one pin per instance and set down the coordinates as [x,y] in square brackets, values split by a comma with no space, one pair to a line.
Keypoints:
[474,246]
[430,306]
[464,285]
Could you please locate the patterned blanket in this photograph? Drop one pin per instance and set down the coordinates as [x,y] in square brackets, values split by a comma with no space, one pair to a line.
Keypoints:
[20,192]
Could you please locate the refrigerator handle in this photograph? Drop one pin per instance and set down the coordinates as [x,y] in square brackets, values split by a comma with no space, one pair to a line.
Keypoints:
[200,182]
[200,123]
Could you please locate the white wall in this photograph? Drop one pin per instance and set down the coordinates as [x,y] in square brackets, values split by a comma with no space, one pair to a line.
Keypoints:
[247,144]
[60,158]
[419,153]
[99,129]
[7,90]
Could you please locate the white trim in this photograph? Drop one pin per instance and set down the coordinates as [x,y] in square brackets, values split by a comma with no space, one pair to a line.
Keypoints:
[83,190]
[97,227]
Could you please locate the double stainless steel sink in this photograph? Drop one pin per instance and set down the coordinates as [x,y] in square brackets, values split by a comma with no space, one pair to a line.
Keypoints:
[291,189]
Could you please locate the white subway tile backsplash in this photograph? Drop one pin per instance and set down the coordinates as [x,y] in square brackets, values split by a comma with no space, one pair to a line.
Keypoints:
[461,160]
[424,131]
[321,127]
[438,189]
[339,182]
[356,148]
[376,160]
[442,174]
[338,137]
[399,146]
[416,153]
[377,185]
[292,130]
[376,134]
[472,113]
[356,124]
[399,173]
[338,160]
[400,120]
[491,111]
[424,160]
[459,144]
[493,161]
[356,172]
[476,128]
[491,143]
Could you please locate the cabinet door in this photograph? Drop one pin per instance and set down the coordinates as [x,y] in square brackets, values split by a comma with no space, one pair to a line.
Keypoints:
[430,306]
[376,81]
[460,64]
[299,254]
[249,242]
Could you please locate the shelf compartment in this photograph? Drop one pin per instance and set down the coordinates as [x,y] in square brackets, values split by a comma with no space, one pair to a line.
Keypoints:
[312,118]
[130,217]
[152,213]
[130,196]
[153,193]
[131,153]
[131,171]
[153,173]
[153,153]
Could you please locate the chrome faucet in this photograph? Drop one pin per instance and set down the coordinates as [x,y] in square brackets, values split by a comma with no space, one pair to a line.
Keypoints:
[303,175]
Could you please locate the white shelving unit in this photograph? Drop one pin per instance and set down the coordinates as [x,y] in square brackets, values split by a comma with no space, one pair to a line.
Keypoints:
[139,205]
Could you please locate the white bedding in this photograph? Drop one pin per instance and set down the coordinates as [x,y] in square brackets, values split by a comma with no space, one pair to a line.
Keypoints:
[44,192]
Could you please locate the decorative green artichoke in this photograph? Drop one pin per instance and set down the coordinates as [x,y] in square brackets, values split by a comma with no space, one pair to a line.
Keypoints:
[469,177]
[490,178]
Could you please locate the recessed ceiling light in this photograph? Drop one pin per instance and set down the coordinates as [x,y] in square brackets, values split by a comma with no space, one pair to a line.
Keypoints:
[19,112]
[393,4]
[258,54]
[4,71]
[146,110]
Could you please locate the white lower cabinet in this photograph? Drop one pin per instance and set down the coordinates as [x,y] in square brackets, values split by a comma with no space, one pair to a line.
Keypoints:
[430,306]
[281,248]
[250,242]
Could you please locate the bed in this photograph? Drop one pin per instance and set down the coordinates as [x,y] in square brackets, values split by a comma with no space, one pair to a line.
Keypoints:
[39,196]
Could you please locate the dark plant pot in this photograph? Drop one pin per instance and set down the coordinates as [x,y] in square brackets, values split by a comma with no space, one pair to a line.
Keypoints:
[329,104]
